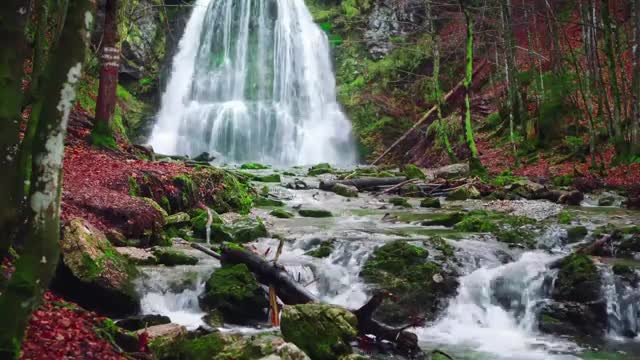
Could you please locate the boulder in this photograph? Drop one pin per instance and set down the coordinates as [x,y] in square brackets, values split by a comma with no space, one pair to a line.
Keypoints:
[248,230]
[526,189]
[322,331]
[253,166]
[173,257]
[282,214]
[199,220]
[320,169]
[463,193]
[137,256]
[576,234]
[138,322]
[324,250]
[430,203]
[413,172]
[573,197]
[93,274]
[156,206]
[166,332]
[177,219]
[451,171]
[234,291]
[578,280]
[399,201]
[573,318]
[345,190]
[315,213]
[204,157]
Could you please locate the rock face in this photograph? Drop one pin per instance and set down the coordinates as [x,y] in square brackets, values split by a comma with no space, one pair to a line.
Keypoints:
[142,321]
[234,291]
[578,308]
[388,20]
[420,284]
[322,331]
[92,273]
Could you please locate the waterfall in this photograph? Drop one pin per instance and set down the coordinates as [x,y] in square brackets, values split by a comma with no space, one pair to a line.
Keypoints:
[623,305]
[252,81]
[495,311]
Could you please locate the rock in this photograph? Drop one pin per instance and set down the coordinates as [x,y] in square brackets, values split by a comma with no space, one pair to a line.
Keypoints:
[93,274]
[576,234]
[323,251]
[573,318]
[248,230]
[463,193]
[315,213]
[448,220]
[578,280]
[214,319]
[272,178]
[234,291]
[320,169]
[421,285]
[297,185]
[137,256]
[451,171]
[430,203]
[282,214]
[606,201]
[177,219]
[138,322]
[573,197]
[155,205]
[413,172]
[253,166]
[525,189]
[345,190]
[263,201]
[204,157]
[166,332]
[199,220]
[322,331]
[399,201]
[116,237]
[173,257]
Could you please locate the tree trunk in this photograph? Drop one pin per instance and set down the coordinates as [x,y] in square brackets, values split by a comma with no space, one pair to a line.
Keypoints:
[14,14]
[510,69]
[474,159]
[37,262]
[586,85]
[110,62]
[635,118]
[618,136]
[363,183]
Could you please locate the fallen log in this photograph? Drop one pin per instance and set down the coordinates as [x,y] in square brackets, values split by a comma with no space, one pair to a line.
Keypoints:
[292,293]
[363,183]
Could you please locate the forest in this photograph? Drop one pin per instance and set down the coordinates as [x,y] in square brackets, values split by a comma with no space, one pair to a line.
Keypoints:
[320,179]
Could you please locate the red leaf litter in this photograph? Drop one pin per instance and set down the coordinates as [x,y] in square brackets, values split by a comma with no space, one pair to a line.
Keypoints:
[62,330]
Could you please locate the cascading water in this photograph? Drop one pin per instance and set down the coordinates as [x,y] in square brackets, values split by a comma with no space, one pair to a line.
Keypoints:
[252,81]
[495,312]
[623,305]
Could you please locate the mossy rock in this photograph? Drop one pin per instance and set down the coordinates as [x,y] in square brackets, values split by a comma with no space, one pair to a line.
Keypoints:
[253,166]
[199,220]
[413,172]
[156,206]
[320,169]
[322,331]
[271,178]
[476,223]
[464,193]
[448,220]
[172,257]
[315,213]
[564,217]
[266,202]
[248,231]
[324,250]
[177,219]
[578,280]
[234,291]
[430,203]
[421,286]
[223,191]
[282,214]
[400,201]
[92,270]
[345,190]
[576,233]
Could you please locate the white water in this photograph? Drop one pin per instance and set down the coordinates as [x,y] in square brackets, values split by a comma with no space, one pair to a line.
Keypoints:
[623,305]
[252,81]
[477,319]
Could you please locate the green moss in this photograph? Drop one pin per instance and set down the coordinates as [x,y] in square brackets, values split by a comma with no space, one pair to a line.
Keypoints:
[134,188]
[102,136]
[171,257]
[576,233]
[319,169]
[479,222]
[271,178]
[448,220]
[199,219]
[324,250]
[234,291]
[184,348]
[564,217]
[442,245]
[430,203]
[224,191]
[399,201]
[253,166]
[165,203]
[250,231]
[266,202]
[315,213]
[344,190]
[563,180]
[413,172]
[578,279]
[622,269]
[282,214]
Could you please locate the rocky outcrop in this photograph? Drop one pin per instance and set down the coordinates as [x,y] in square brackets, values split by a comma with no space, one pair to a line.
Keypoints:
[138,322]
[389,19]
[92,273]
[322,331]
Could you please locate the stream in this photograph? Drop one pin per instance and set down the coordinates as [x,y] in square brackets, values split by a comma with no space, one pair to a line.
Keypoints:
[476,323]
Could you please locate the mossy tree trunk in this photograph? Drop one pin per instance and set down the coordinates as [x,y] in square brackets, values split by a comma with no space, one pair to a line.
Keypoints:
[109,65]
[38,260]
[635,118]
[13,21]
[585,13]
[618,137]
[510,74]
[474,159]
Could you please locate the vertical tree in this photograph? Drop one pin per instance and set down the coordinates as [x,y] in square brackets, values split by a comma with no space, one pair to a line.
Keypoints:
[109,62]
[39,257]
[635,118]
[609,49]
[14,14]
[474,159]
[513,101]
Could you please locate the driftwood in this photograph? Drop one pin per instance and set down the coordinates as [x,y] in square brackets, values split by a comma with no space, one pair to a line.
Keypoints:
[291,293]
[363,183]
